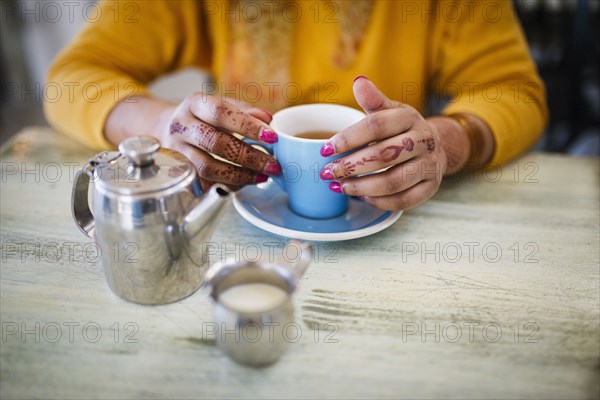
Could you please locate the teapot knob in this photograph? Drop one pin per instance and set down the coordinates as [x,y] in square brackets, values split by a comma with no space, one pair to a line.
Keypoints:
[140,150]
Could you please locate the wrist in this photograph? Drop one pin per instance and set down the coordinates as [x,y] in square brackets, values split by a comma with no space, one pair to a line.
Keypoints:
[467,140]
[137,116]
[455,143]
[480,137]
[162,125]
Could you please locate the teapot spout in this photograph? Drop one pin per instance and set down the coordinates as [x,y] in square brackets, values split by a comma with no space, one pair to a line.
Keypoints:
[205,215]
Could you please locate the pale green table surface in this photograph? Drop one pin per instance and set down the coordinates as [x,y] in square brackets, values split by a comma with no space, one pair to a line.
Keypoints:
[490,289]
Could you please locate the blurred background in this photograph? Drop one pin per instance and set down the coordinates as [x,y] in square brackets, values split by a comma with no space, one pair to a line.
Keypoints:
[563,36]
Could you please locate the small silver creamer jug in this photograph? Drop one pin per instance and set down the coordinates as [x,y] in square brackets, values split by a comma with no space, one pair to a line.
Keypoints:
[149,218]
[253,308]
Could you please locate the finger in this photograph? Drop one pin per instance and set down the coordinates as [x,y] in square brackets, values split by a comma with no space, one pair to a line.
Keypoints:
[260,113]
[206,184]
[375,127]
[406,199]
[394,180]
[213,170]
[384,154]
[242,105]
[212,140]
[369,97]
[227,116]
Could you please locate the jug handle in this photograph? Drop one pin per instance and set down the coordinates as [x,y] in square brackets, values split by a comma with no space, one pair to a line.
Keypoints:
[79,201]
[301,265]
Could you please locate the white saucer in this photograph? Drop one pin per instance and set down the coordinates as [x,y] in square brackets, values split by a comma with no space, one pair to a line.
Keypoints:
[265,206]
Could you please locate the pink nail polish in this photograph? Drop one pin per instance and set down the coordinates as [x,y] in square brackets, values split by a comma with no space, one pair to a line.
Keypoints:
[268,136]
[260,178]
[326,174]
[272,168]
[360,77]
[327,149]
[335,187]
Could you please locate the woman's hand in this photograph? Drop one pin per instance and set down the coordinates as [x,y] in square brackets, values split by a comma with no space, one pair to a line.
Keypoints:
[404,160]
[201,127]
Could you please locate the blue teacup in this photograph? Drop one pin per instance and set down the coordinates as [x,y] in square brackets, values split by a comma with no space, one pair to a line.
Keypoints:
[300,158]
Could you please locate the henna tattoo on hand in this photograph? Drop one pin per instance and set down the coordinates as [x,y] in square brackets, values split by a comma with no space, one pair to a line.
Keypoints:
[177,128]
[345,168]
[430,143]
[234,151]
[217,173]
[408,143]
[208,136]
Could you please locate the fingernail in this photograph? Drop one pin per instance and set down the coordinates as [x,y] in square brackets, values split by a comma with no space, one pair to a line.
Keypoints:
[335,187]
[266,112]
[272,168]
[260,178]
[326,174]
[267,135]
[359,77]
[327,149]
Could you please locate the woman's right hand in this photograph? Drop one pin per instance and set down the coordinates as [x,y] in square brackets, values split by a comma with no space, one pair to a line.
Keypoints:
[201,127]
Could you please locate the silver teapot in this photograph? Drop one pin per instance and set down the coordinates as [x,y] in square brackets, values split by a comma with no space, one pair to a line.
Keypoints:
[149,218]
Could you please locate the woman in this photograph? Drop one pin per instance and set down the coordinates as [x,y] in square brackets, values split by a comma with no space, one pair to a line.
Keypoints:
[272,54]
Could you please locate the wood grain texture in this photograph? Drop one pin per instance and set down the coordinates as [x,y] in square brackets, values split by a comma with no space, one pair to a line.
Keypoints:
[490,289]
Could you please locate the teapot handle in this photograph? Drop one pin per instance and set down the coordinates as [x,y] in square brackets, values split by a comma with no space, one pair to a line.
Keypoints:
[79,201]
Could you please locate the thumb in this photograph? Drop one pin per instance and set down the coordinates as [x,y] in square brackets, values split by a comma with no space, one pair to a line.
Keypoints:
[369,97]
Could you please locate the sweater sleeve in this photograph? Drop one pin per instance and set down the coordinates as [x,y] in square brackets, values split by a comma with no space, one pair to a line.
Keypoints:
[486,69]
[117,54]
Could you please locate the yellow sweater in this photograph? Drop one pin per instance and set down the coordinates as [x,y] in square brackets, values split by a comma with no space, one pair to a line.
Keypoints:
[471,51]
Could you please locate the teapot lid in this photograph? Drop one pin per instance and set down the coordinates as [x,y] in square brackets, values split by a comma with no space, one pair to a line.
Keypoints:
[141,166]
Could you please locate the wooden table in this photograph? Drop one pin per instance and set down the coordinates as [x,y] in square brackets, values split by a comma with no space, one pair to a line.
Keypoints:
[490,289]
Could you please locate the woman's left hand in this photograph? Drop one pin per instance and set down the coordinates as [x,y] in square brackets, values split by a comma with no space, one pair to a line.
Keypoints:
[404,159]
